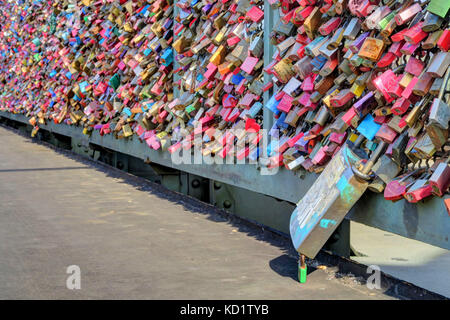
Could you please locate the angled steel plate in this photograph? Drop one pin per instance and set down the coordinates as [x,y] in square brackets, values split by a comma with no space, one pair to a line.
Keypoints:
[325,205]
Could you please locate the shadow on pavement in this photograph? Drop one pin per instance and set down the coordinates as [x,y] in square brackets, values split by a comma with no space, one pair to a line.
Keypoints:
[287,266]
[42,169]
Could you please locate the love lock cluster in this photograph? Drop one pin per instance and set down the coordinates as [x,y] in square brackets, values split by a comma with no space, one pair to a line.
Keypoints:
[362,73]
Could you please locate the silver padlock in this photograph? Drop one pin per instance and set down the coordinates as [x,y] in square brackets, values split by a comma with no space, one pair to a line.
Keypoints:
[440,110]
[352,29]
[256,47]
[386,169]
[439,64]
[322,115]
[296,164]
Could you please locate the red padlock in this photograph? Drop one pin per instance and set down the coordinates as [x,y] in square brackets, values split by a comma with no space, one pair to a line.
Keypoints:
[414,66]
[444,41]
[396,189]
[321,157]
[400,106]
[329,26]
[415,34]
[386,134]
[418,191]
[341,98]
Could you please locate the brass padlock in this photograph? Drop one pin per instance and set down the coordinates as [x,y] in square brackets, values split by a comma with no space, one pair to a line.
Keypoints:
[312,22]
[437,135]
[425,147]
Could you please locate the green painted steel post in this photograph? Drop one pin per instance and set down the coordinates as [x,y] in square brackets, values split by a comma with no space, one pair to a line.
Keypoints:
[269,17]
[302,269]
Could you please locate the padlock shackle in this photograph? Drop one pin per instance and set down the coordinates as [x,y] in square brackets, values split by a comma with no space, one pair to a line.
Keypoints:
[399,68]
[424,101]
[411,173]
[364,173]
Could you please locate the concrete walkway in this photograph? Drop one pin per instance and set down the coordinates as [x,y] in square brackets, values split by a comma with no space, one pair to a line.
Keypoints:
[132,239]
[418,263]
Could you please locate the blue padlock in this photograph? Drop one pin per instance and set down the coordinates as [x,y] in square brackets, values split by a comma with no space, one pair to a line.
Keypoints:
[272,105]
[83,86]
[167,57]
[127,111]
[312,44]
[368,127]
[236,79]
[280,121]
[319,61]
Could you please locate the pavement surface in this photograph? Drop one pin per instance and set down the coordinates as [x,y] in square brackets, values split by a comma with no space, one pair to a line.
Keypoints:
[133,239]
[418,263]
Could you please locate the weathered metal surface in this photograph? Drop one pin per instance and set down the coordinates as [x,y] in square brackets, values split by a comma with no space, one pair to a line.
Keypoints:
[325,205]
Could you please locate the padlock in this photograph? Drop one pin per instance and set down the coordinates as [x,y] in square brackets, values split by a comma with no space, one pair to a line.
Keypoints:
[377,185]
[440,179]
[352,29]
[386,134]
[386,169]
[444,41]
[424,147]
[322,116]
[368,127]
[398,148]
[407,14]
[397,188]
[439,64]
[342,98]
[432,40]
[312,22]
[419,190]
[440,111]
[431,22]
[417,111]
[371,49]
[438,136]
[365,104]
[336,39]
[423,84]
[436,86]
